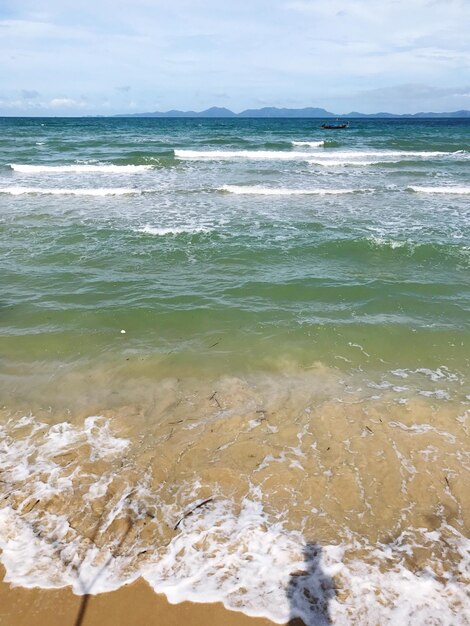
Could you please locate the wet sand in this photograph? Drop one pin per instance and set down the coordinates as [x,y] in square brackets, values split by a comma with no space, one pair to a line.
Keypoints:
[132,605]
[354,491]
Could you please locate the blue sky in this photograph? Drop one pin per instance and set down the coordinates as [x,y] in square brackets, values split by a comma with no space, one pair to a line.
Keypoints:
[107,56]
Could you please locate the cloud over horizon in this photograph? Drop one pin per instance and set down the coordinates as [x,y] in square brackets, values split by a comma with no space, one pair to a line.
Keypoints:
[103,58]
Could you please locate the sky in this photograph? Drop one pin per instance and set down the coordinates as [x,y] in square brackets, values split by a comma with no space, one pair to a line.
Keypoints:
[101,57]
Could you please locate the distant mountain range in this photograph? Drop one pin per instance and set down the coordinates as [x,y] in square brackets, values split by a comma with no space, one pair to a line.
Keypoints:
[271,112]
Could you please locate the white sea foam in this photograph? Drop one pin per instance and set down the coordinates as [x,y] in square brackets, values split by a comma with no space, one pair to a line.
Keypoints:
[442,190]
[388,243]
[423,429]
[60,438]
[242,556]
[342,162]
[328,158]
[79,168]
[264,155]
[102,191]
[309,144]
[342,158]
[439,374]
[244,560]
[386,154]
[172,230]
[270,191]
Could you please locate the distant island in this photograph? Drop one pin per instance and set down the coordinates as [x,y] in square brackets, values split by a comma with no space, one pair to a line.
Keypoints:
[273,112]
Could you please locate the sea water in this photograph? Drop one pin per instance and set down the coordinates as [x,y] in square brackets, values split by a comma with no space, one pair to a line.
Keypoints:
[235,363]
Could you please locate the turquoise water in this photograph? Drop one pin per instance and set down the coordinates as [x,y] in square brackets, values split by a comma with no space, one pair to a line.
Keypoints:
[234,362]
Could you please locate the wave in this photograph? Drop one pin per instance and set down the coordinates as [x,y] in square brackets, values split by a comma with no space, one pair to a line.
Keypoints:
[172,230]
[79,168]
[240,154]
[370,248]
[402,154]
[380,242]
[61,480]
[444,190]
[309,144]
[240,559]
[269,191]
[119,191]
[343,163]
[340,155]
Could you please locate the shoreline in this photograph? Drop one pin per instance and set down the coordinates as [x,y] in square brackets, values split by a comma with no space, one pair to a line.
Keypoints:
[131,605]
[125,489]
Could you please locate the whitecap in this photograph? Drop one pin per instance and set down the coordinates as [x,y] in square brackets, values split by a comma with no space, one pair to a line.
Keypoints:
[342,162]
[390,243]
[172,230]
[402,154]
[309,144]
[442,190]
[339,155]
[270,191]
[240,154]
[78,168]
[101,191]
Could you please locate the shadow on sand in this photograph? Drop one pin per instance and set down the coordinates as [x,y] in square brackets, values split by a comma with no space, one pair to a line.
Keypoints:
[86,596]
[310,591]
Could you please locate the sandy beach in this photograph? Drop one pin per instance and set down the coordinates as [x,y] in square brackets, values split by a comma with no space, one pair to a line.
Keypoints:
[132,605]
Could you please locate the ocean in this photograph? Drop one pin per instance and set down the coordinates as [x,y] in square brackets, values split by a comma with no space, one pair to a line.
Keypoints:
[235,363]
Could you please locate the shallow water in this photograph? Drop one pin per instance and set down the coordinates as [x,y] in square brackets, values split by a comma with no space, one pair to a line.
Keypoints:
[270,321]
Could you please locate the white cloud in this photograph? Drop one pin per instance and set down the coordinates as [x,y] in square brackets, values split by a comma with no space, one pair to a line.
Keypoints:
[66,102]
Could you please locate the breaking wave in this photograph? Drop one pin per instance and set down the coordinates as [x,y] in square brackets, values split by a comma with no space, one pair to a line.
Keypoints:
[172,230]
[443,190]
[269,191]
[79,168]
[119,191]
[60,479]
[309,144]
[278,155]
[330,157]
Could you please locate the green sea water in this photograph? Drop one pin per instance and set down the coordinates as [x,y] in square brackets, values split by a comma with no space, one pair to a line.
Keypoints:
[353,251]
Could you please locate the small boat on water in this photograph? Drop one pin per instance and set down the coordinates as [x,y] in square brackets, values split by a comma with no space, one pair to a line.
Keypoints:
[335,126]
